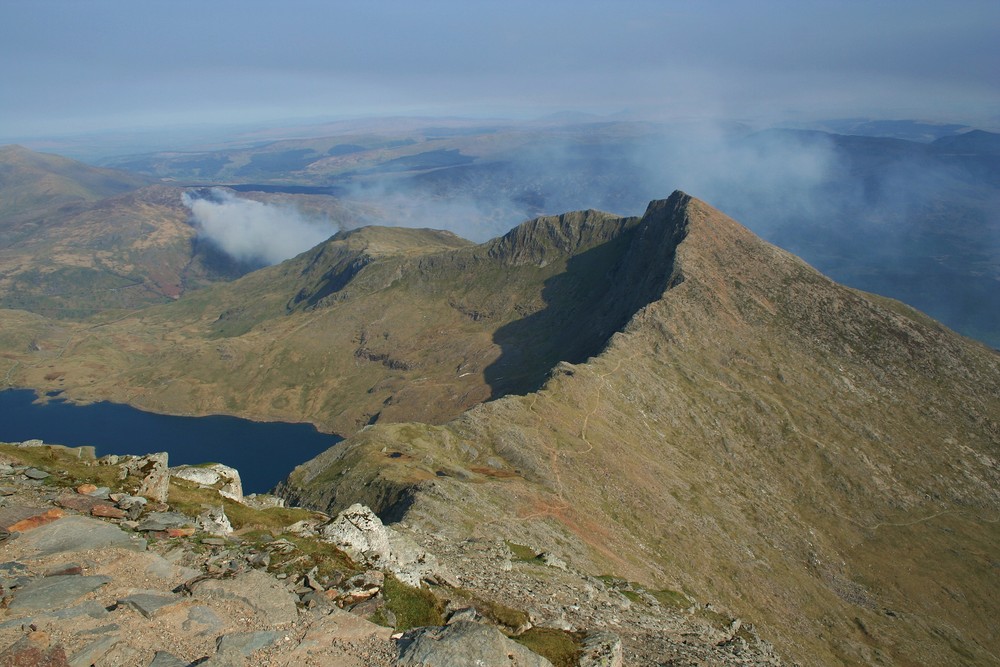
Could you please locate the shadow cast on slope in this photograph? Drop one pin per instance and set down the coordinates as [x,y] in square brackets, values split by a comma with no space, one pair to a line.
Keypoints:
[596,296]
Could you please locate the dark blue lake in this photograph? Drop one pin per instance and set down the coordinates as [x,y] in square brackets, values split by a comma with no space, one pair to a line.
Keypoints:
[263,452]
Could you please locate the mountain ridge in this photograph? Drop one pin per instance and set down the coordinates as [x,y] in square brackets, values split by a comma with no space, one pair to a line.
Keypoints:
[803,453]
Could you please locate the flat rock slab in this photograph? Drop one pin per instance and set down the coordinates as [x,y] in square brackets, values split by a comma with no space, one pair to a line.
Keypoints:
[77,533]
[262,592]
[80,503]
[245,643]
[466,643]
[30,651]
[342,626]
[164,659]
[150,603]
[53,593]
[160,521]
[19,518]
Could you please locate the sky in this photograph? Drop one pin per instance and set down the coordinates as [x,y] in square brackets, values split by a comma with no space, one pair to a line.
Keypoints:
[74,66]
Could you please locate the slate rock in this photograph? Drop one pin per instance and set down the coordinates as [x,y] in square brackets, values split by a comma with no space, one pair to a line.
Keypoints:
[161,521]
[246,643]
[465,643]
[261,591]
[54,592]
[19,518]
[93,652]
[150,603]
[164,659]
[35,473]
[78,533]
[33,651]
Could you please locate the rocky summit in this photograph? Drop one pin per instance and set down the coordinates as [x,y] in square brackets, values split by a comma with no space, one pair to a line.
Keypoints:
[95,575]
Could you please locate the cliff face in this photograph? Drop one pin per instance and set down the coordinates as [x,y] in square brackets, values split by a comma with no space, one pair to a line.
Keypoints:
[820,461]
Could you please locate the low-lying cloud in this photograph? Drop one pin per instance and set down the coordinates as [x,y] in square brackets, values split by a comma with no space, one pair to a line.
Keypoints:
[255,232]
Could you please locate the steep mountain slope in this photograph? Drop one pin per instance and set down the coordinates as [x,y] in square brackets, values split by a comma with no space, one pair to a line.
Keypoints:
[819,461]
[31,180]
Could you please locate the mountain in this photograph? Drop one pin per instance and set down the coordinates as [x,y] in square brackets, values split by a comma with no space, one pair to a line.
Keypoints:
[819,461]
[31,180]
[375,324]
[901,208]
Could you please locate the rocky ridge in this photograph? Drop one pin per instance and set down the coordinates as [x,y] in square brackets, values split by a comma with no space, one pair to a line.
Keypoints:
[104,575]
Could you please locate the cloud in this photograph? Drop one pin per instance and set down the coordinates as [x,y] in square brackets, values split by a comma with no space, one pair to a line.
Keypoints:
[252,231]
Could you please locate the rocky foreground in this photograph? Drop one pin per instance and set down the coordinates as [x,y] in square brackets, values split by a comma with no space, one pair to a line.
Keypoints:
[124,561]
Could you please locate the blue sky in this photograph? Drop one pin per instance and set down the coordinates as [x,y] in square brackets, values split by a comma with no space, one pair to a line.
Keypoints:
[82,65]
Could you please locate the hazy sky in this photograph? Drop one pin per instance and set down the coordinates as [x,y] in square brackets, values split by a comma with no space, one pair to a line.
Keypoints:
[76,65]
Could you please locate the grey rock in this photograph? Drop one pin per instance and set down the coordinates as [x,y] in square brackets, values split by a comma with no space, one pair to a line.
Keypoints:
[362,535]
[93,652]
[54,592]
[465,643]
[91,608]
[150,603]
[213,476]
[35,473]
[148,475]
[262,592]
[246,643]
[202,620]
[164,659]
[156,521]
[214,521]
[78,533]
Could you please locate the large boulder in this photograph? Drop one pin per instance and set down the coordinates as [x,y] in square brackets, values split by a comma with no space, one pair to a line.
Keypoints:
[213,476]
[146,476]
[361,534]
[465,643]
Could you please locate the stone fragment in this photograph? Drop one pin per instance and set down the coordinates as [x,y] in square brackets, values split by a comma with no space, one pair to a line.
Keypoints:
[33,651]
[213,476]
[553,561]
[80,503]
[263,501]
[35,473]
[202,620]
[362,535]
[18,519]
[342,626]
[91,608]
[160,521]
[262,592]
[601,649]
[64,569]
[54,592]
[245,643]
[7,490]
[164,659]
[214,521]
[465,643]
[107,512]
[180,532]
[78,533]
[150,603]
[102,492]
[94,652]
[147,475]
[85,489]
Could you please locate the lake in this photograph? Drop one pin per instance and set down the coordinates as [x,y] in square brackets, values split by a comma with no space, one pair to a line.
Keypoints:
[263,452]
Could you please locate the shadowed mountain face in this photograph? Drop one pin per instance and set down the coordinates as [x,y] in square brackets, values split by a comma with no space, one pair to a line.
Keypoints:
[820,462]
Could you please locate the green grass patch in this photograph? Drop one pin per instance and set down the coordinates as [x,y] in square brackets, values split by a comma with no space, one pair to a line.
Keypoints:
[413,607]
[561,648]
[521,552]
[68,467]
[671,599]
[497,612]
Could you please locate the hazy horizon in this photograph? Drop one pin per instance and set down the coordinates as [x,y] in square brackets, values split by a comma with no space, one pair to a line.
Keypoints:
[73,68]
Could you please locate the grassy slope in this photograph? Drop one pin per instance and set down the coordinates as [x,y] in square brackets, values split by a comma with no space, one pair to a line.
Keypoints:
[760,437]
